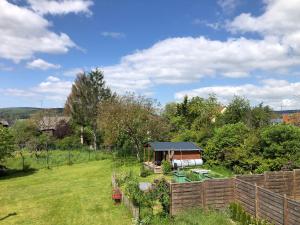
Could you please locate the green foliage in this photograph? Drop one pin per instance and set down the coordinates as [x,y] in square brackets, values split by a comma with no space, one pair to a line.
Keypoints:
[166,167]
[226,146]
[192,176]
[7,145]
[70,142]
[238,110]
[199,216]
[238,214]
[161,192]
[280,141]
[145,172]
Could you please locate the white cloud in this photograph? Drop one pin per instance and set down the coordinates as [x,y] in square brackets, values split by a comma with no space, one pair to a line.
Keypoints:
[190,59]
[185,60]
[16,92]
[228,6]
[212,25]
[52,89]
[24,33]
[61,6]
[276,93]
[115,35]
[42,65]
[281,18]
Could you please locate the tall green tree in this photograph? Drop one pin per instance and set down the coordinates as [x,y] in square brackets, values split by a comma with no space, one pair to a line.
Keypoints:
[134,117]
[238,110]
[7,145]
[260,116]
[226,147]
[88,90]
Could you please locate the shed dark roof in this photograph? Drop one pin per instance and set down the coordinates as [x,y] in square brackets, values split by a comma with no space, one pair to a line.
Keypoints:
[177,146]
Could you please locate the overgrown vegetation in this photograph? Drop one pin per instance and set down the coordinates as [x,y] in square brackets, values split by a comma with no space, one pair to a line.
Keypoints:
[238,214]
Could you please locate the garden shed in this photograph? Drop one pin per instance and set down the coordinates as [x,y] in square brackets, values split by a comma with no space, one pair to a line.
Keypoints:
[178,153]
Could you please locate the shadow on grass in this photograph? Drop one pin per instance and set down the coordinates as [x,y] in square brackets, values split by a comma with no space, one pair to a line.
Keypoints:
[14,173]
[8,215]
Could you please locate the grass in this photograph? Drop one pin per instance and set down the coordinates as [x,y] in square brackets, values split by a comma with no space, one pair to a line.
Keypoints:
[56,158]
[78,194]
[197,217]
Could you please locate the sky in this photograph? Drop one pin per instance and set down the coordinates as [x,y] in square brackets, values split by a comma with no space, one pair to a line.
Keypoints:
[163,49]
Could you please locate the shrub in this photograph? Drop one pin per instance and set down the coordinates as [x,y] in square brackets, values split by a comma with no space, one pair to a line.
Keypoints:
[238,214]
[145,172]
[166,167]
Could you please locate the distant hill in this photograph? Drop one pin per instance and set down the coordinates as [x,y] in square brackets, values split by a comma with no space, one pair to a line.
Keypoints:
[14,113]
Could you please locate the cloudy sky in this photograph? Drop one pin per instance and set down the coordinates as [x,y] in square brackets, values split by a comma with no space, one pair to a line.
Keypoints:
[163,49]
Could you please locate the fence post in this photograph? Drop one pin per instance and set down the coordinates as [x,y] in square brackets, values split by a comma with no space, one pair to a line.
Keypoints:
[256,201]
[294,184]
[265,179]
[171,202]
[285,210]
[203,194]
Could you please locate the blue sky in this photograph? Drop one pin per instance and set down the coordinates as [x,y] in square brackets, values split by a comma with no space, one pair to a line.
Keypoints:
[162,49]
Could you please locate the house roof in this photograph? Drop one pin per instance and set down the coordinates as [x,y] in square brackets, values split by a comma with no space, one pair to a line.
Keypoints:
[4,123]
[50,123]
[177,146]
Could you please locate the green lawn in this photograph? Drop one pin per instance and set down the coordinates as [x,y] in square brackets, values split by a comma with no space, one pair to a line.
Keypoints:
[78,194]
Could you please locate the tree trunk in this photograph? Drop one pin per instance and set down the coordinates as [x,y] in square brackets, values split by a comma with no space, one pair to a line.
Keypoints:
[23,160]
[81,135]
[95,140]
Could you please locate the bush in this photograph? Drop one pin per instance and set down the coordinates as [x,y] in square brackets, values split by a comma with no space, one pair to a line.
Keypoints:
[166,167]
[238,214]
[71,142]
[145,172]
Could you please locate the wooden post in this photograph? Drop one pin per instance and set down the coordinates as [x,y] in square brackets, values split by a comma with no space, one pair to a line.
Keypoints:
[256,202]
[204,194]
[265,179]
[171,193]
[294,184]
[285,211]
[181,159]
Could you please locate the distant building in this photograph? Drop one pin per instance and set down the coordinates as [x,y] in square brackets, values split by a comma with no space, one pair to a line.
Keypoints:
[293,119]
[49,124]
[276,121]
[4,123]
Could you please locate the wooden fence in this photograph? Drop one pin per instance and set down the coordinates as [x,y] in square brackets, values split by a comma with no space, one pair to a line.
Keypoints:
[281,182]
[271,196]
[216,193]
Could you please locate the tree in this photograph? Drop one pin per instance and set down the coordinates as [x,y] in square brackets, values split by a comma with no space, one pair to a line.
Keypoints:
[238,110]
[260,116]
[193,119]
[280,141]
[24,131]
[6,143]
[226,147]
[133,117]
[82,104]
